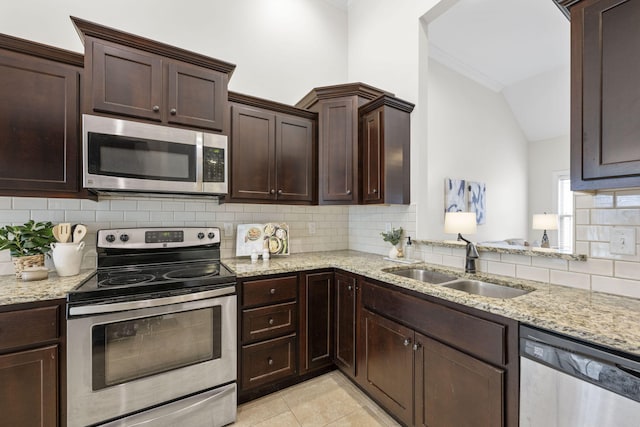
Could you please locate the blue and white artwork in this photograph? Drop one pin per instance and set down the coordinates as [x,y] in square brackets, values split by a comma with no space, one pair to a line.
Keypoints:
[476,199]
[454,194]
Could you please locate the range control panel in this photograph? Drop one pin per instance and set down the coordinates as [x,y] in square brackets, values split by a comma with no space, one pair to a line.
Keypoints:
[149,238]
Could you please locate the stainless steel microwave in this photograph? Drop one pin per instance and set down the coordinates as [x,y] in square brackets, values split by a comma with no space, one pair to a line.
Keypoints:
[122,155]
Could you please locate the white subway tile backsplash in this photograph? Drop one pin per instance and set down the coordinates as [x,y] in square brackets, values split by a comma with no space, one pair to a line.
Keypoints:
[532,273]
[149,205]
[6,203]
[603,250]
[161,216]
[592,266]
[582,217]
[615,216]
[63,204]
[53,216]
[550,263]
[80,216]
[593,233]
[124,205]
[516,259]
[582,248]
[172,206]
[566,278]
[91,205]
[628,198]
[501,268]
[29,203]
[14,216]
[630,288]
[627,270]
[138,216]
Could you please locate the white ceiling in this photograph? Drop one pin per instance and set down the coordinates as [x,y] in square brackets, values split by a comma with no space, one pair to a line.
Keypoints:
[517,47]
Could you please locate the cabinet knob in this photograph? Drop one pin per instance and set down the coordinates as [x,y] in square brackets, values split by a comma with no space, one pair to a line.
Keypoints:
[280,191]
[375,190]
[416,346]
[272,191]
[270,361]
[272,291]
[271,321]
[173,111]
[349,288]
[156,108]
[406,342]
[348,191]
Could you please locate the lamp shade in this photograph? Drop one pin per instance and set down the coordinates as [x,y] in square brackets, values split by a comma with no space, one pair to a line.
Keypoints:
[545,222]
[460,222]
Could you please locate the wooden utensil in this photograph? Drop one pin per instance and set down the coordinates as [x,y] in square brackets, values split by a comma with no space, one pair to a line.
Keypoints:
[64,231]
[56,232]
[79,232]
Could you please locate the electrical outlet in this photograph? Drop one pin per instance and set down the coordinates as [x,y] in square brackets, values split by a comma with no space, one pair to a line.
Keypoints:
[622,241]
[387,227]
[228,229]
[312,228]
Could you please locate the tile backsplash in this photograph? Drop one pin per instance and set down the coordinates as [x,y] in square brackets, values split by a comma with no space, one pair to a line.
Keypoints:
[325,228]
[329,230]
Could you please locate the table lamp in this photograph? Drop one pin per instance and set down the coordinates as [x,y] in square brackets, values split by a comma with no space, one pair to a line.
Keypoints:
[545,222]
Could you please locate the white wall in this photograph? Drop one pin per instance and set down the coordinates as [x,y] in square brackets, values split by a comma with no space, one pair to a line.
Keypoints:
[282,48]
[473,135]
[546,158]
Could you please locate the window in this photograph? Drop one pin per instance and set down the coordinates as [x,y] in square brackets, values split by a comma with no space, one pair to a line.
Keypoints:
[565,213]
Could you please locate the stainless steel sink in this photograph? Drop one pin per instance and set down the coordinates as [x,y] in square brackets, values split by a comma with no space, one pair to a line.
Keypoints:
[423,275]
[477,287]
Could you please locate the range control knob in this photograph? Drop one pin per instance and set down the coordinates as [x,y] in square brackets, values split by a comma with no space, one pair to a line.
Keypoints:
[201,235]
[110,238]
[211,235]
[124,237]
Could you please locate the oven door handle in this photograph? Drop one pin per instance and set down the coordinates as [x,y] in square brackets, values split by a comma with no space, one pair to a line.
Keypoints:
[154,302]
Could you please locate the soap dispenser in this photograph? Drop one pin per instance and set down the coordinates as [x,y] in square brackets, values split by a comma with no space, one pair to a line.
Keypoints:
[408,249]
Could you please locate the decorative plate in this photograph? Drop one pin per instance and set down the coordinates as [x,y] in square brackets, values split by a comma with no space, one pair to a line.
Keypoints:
[273,236]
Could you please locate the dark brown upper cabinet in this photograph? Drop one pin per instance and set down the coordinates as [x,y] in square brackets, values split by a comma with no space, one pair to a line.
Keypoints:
[273,152]
[143,79]
[605,96]
[386,151]
[39,127]
[339,152]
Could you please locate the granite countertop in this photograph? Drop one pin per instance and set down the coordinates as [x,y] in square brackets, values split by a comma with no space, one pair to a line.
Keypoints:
[16,291]
[604,319]
[608,320]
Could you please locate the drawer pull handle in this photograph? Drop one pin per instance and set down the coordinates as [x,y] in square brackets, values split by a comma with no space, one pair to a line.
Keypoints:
[156,108]
[173,111]
[270,361]
[272,291]
[271,321]
[406,342]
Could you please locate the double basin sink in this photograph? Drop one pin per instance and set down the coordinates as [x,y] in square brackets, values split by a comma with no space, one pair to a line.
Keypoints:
[475,287]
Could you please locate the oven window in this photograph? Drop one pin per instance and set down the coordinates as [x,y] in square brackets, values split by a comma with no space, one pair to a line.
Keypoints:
[126,157]
[132,349]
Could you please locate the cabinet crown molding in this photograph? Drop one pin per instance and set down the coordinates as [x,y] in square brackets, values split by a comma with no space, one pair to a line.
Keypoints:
[254,101]
[91,29]
[564,6]
[389,101]
[337,91]
[41,50]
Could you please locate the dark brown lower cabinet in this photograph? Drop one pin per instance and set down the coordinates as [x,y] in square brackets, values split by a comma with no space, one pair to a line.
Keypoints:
[268,361]
[455,389]
[345,324]
[430,365]
[388,364]
[316,316]
[29,387]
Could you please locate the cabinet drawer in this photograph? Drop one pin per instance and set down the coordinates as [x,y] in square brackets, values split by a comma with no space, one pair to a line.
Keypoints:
[25,327]
[268,322]
[268,361]
[471,334]
[269,291]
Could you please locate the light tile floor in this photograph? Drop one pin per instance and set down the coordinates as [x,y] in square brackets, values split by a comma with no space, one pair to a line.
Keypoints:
[328,400]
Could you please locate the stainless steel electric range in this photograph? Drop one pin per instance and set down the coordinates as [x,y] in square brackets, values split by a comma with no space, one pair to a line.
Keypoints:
[151,336]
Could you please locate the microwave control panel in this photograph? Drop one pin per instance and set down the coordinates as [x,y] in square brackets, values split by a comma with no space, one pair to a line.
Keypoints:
[214,165]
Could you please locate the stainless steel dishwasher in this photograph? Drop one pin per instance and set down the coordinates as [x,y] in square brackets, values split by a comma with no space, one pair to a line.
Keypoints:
[568,383]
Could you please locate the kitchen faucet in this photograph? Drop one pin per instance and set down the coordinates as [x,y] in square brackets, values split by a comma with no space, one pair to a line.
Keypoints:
[471,255]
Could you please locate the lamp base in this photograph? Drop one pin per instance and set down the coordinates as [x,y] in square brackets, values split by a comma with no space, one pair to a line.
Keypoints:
[545,240]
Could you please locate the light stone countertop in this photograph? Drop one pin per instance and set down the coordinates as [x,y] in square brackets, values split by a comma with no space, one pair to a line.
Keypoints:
[608,320]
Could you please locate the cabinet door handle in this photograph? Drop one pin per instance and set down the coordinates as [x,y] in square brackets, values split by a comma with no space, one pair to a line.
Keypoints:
[406,342]
[280,191]
[156,108]
[348,191]
[375,190]
[271,320]
[270,361]
[416,346]
[272,191]
[173,111]
[349,288]
[272,291]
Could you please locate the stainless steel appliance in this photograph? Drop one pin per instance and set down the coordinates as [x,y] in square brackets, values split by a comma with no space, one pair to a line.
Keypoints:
[123,155]
[566,383]
[151,337]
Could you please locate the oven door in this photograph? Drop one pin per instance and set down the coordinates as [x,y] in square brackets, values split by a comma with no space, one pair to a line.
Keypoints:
[125,361]
[133,156]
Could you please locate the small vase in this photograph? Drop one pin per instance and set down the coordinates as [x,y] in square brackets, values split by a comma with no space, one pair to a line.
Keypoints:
[20,263]
[395,251]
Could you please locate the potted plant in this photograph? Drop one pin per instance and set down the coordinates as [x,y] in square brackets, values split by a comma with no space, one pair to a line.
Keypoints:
[27,243]
[394,236]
